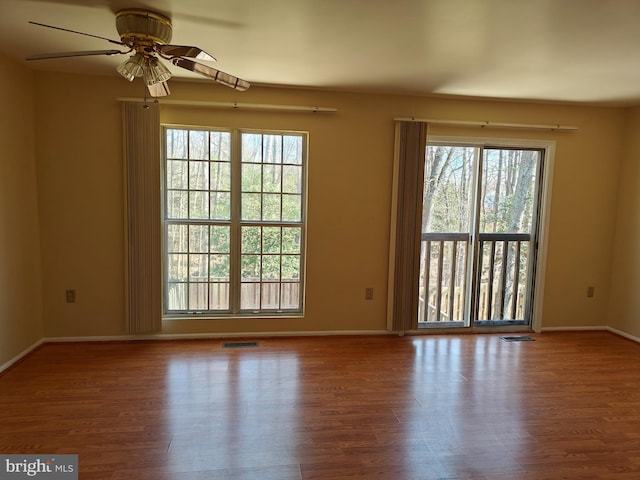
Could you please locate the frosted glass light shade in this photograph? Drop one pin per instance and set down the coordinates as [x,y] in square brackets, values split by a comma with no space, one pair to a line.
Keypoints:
[156,72]
[132,68]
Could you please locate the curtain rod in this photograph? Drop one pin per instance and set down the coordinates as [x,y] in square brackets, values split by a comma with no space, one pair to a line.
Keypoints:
[487,124]
[235,105]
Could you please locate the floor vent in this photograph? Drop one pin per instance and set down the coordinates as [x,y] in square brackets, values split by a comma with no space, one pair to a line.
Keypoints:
[517,338]
[239,344]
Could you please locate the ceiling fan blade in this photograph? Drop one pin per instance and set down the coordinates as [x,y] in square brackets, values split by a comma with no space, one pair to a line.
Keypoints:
[184,51]
[160,89]
[79,33]
[217,75]
[45,56]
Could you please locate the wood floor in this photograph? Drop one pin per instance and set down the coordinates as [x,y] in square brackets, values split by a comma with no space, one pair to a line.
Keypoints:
[566,406]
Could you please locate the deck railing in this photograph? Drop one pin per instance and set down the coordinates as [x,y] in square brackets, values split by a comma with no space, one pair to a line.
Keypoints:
[215,296]
[500,287]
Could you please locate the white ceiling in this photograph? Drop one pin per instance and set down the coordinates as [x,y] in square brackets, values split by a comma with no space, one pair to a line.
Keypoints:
[564,50]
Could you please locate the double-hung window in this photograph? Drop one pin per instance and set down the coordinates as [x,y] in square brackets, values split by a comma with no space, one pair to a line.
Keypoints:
[234,222]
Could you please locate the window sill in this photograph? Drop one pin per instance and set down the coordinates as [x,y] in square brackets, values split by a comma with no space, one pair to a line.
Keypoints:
[171,318]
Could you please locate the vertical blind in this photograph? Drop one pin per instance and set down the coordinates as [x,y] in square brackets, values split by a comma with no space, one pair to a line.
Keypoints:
[411,145]
[143,221]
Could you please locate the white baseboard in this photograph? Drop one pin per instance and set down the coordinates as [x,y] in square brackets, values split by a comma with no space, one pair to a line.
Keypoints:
[22,354]
[186,336]
[204,336]
[572,329]
[600,328]
[624,334]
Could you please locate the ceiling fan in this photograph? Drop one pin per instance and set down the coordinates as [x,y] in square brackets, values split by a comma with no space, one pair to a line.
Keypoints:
[147,34]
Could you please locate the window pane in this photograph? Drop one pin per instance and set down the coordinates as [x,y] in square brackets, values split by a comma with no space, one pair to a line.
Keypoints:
[220,241]
[270,296]
[177,204]
[177,296]
[198,144]
[198,238]
[177,238]
[251,242]
[198,205]
[176,143]
[219,267]
[251,206]
[251,178]
[290,267]
[290,296]
[177,267]
[250,296]
[198,267]
[198,296]
[272,178]
[271,207]
[508,179]
[292,179]
[219,296]
[272,148]
[448,176]
[220,207]
[177,174]
[291,239]
[220,176]
[220,146]
[251,147]
[291,208]
[250,268]
[271,240]
[270,267]
[199,175]
[292,147]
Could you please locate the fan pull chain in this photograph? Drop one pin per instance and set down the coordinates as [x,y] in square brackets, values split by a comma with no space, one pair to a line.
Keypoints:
[145,105]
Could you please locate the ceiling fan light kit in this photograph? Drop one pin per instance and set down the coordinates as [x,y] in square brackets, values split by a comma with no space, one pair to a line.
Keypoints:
[155,72]
[148,34]
[132,68]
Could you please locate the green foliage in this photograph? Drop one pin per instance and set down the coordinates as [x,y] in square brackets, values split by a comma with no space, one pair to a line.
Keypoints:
[270,253]
[220,240]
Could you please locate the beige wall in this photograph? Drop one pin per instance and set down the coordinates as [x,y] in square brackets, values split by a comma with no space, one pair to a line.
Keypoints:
[624,302]
[20,279]
[79,159]
[80,187]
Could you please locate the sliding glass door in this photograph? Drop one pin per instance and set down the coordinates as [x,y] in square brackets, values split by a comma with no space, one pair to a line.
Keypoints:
[479,229]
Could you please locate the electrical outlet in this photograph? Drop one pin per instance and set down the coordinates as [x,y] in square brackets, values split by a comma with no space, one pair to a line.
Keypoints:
[368,293]
[591,291]
[71,296]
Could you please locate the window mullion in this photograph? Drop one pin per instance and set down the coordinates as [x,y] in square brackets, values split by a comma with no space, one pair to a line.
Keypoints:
[236,234]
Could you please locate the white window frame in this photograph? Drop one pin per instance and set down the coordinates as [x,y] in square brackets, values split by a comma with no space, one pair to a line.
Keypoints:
[236,224]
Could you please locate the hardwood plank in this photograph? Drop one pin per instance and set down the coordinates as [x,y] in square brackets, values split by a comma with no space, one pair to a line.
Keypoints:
[566,406]
[283,472]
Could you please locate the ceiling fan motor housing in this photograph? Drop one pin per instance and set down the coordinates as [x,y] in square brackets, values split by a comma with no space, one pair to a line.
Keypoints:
[138,27]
